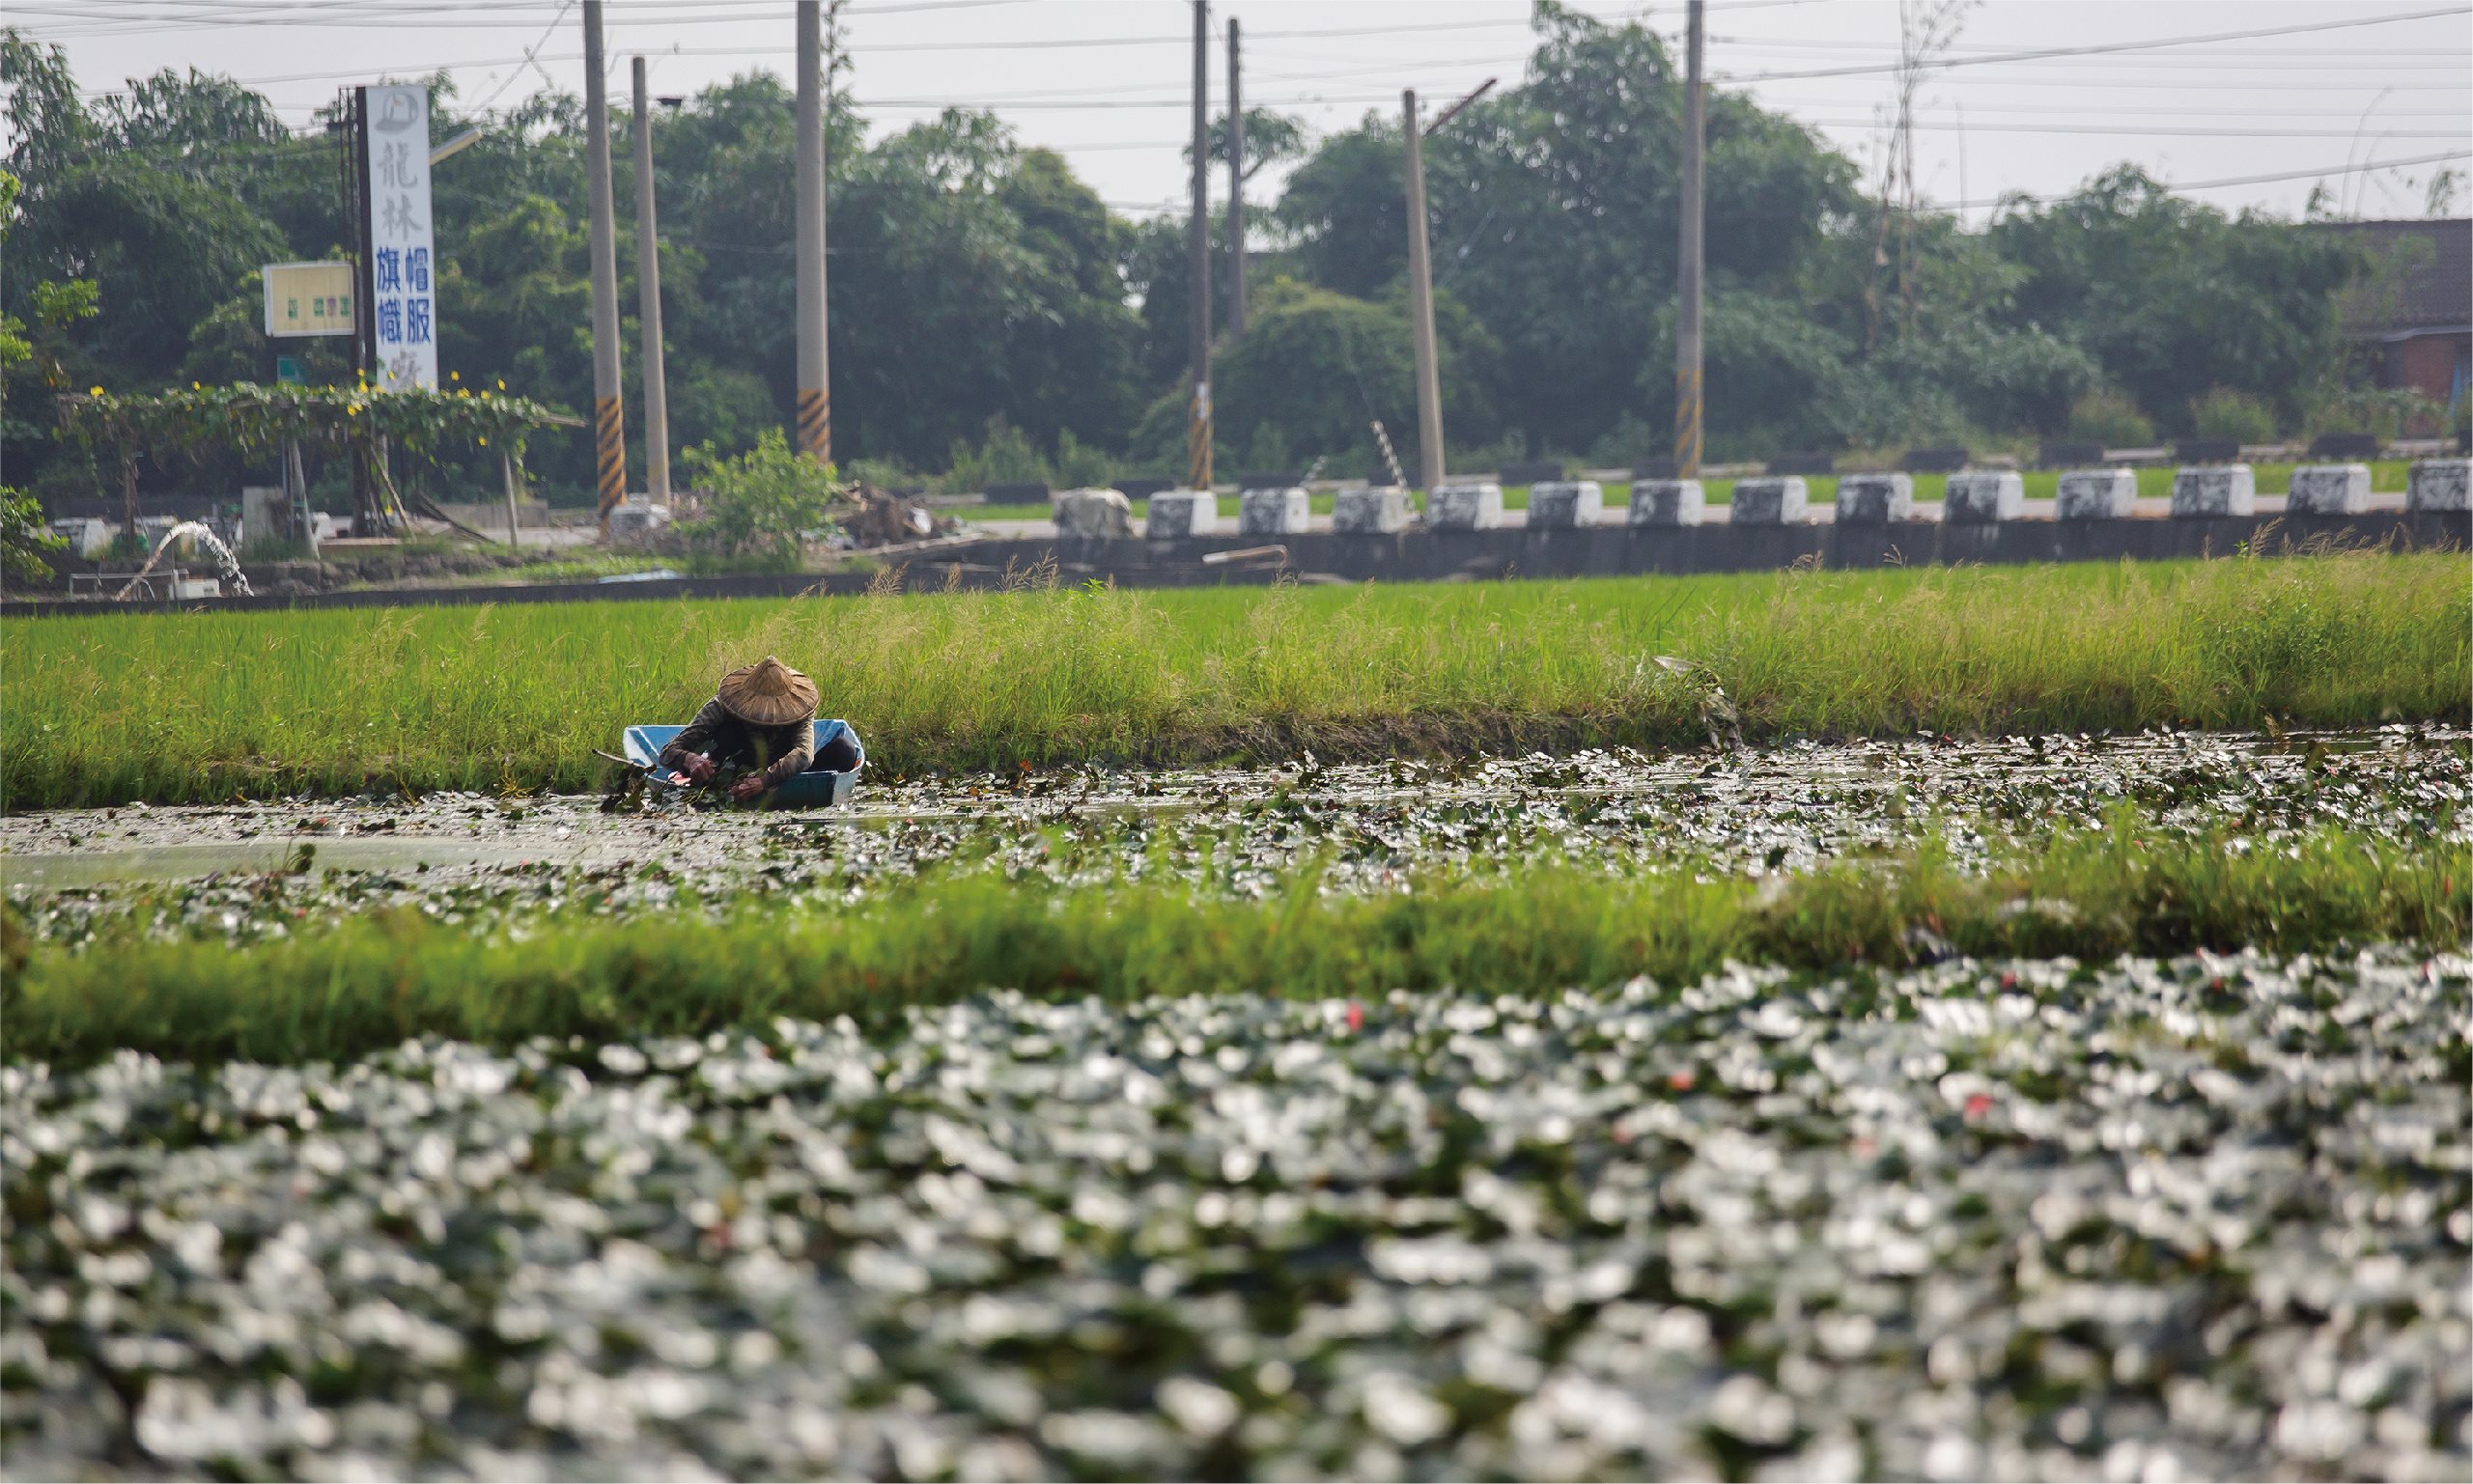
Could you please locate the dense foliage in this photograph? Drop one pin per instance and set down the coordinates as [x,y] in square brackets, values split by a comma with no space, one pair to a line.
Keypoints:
[981,291]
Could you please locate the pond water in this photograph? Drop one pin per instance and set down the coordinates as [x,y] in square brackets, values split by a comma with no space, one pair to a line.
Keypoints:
[1372,828]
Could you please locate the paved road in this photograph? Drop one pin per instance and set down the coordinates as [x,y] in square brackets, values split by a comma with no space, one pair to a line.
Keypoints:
[1718,514]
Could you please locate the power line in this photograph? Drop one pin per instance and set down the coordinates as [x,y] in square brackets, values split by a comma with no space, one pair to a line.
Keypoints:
[2105,48]
[2178,189]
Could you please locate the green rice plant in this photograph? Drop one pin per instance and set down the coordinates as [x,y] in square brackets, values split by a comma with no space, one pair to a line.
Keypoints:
[162,707]
[370,981]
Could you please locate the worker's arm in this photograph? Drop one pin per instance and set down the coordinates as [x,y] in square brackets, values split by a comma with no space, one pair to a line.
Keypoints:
[794,758]
[695,739]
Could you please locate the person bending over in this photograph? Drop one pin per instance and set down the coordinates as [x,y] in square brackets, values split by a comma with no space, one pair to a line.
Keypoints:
[762,717]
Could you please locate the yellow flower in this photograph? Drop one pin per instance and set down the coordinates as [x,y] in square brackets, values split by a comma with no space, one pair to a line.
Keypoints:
[485,442]
[455,376]
[502,383]
[94,391]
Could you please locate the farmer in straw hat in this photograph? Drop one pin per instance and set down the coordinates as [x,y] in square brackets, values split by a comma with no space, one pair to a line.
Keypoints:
[762,719]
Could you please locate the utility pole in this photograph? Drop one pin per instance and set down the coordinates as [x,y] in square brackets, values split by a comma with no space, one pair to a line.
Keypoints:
[1197,419]
[609,415]
[1421,304]
[1236,192]
[815,394]
[1687,310]
[648,279]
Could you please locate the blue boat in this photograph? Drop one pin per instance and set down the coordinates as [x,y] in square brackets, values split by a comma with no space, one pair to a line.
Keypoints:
[822,784]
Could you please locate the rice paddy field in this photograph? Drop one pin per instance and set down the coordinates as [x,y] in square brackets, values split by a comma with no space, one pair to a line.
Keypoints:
[2005,1024]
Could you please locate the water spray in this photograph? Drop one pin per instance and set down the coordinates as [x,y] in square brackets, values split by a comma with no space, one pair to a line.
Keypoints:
[225,562]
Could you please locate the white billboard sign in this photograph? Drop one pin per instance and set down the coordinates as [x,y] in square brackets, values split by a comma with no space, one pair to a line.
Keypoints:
[402,277]
[308,298]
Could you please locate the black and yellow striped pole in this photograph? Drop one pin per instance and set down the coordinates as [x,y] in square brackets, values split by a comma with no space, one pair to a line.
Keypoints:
[815,381]
[610,417]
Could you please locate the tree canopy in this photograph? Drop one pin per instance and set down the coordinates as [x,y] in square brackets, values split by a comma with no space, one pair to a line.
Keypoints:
[977,283]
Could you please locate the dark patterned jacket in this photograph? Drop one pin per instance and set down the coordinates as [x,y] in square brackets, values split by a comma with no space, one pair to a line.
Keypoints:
[782,751]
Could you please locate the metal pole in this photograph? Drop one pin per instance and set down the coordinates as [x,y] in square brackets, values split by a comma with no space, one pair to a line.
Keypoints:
[815,396]
[609,415]
[648,280]
[1236,192]
[1197,421]
[1420,304]
[1686,309]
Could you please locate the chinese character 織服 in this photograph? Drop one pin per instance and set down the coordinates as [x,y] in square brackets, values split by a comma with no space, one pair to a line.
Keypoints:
[390,322]
[416,322]
[416,270]
[398,217]
[390,270]
[395,167]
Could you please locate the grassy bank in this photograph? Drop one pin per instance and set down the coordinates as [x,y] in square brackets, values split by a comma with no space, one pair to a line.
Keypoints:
[335,992]
[2385,474]
[185,708]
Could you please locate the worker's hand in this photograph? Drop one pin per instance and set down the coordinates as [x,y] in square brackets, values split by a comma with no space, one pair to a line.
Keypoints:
[746,788]
[698,767]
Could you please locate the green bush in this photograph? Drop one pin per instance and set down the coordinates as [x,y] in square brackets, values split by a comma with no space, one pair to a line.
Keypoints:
[2238,416]
[2108,417]
[762,505]
[1006,455]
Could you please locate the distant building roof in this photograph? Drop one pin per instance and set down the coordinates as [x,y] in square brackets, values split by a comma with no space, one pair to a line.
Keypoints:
[2420,278]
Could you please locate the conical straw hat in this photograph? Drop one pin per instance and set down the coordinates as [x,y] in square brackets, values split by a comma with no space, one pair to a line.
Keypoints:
[769,694]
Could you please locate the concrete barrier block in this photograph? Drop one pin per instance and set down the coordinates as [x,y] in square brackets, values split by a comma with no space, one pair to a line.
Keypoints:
[1872,499]
[1777,499]
[1668,502]
[1983,496]
[1274,511]
[1560,504]
[2096,494]
[2439,483]
[1093,514]
[2328,490]
[1378,510]
[1471,507]
[2214,489]
[1179,514]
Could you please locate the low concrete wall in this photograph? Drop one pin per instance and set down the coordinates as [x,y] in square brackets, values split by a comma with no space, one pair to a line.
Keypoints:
[1427,556]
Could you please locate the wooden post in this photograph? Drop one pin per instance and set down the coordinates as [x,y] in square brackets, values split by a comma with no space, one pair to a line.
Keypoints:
[1687,307]
[514,485]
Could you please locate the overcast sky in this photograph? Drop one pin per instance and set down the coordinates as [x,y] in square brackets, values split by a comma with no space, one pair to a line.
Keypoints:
[1108,81]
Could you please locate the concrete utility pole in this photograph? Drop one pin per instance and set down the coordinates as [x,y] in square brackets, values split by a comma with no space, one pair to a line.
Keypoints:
[648,278]
[1420,304]
[1686,309]
[1236,192]
[1197,419]
[609,415]
[815,391]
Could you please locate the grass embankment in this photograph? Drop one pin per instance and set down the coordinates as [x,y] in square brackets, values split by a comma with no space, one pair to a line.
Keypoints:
[173,708]
[366,984]
[2385,474]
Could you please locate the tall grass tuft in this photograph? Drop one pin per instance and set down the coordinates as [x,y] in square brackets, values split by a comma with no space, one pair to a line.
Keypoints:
[179,708]
[337,991]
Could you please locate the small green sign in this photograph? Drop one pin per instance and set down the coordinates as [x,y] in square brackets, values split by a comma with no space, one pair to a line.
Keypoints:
[287,368]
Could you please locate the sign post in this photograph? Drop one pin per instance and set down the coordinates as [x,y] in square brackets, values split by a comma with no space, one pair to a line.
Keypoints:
[401,287]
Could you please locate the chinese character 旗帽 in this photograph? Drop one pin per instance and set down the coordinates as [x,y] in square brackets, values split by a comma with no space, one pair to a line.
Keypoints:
[416,322]
[390,322]
[416,271]
[390,270]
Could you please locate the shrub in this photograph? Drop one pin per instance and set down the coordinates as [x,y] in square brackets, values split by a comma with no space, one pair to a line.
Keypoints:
[1006,455]
[763,504]
[2237,416]
[1079,465]
[2108,417]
